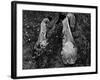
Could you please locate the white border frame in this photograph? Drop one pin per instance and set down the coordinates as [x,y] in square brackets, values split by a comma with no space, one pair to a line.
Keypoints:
[35,72]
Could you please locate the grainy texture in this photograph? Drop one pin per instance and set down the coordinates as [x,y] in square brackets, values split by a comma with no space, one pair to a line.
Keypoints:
[50,57]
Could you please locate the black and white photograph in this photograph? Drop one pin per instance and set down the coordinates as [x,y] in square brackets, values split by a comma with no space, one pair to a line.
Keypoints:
[56,39]
[53,39]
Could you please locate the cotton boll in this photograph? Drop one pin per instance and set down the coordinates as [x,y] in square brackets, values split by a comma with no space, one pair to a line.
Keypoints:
[68,47]
[69,53]
[43,44]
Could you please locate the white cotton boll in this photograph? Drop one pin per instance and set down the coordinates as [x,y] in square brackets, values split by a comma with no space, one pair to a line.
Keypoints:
[68,47]
[69,53]
[43,44]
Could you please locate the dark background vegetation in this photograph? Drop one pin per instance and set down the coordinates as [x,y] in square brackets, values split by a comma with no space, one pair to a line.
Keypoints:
[50,57]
